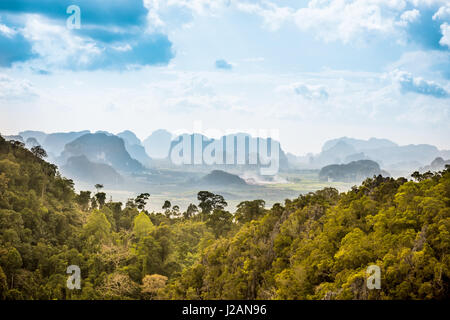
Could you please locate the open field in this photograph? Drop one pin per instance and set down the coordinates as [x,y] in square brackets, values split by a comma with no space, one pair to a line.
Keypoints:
[177,187]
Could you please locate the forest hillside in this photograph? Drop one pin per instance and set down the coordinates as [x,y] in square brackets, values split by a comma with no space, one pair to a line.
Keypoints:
[317,246]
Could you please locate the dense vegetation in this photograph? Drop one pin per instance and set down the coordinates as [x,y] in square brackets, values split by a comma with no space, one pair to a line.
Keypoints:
[317,246]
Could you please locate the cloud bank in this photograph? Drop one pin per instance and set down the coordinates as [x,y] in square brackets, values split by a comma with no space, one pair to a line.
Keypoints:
[113,35]
[409,83]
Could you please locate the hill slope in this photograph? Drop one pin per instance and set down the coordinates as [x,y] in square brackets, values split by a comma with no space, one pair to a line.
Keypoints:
[317,246]
[222,178]
[320,245]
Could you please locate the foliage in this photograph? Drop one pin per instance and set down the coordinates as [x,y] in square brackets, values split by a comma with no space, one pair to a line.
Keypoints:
[142,225]
[152,284]
[317,246]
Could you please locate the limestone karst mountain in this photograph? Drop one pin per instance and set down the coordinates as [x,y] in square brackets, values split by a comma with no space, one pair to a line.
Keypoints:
[102,148]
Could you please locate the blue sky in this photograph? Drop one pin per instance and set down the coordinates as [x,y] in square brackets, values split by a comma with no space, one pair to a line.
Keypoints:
[314,70]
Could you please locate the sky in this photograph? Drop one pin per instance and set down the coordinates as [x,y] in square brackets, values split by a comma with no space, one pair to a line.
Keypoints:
[309,70]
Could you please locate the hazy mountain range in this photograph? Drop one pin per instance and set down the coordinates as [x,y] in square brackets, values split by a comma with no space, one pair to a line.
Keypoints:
[157,145]
[437,164]
[112,156]
[240,150]
[135,148]
[79,154]
[386,153]
[102,148]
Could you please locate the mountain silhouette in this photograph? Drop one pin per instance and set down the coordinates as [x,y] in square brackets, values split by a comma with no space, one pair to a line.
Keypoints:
[134,147]
[157,145]
[81,169]
[222,178]
[351,172]
[102,148]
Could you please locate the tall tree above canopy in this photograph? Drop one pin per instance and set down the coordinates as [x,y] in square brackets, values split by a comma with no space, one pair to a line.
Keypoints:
[39,152]
[141,200]
[190,211]
[83,199]
[210,201]
[250,210]
[98,186]
[101,199]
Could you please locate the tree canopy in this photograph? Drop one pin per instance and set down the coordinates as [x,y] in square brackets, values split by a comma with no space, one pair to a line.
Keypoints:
[316,246]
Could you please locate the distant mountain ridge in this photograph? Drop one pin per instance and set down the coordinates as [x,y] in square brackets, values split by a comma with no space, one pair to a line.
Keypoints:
[129,137]
[134,147]
[437,164]
[53,143]
[372,143]
[385,152]
[157,145]
[241,155]
[160,144]
[355,171]
[102,148]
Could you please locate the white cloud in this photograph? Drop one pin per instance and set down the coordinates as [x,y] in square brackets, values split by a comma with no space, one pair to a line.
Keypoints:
[409,16]
[122,48]
[14,89]
[427,3]
[339,20]
[163,14]
[408,83]
[7,31]
[153,17]
[189,91]
[442,13]
[57,46]
[349,20]
[429,64]
[256,59]
[445,30]
[307,91]
[420,111]
[272,15]
[201,7]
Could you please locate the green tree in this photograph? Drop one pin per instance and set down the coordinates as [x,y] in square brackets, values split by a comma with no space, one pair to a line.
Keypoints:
[166,207]
[101,199]
[38,152]
[94,203]
[11,260]
[142,225]
[83,199]
[220,221]
[3,285]
[176,210]
[97,226]
[210,202]
[190,211]
[250,210]
[152,284]
[141,200]
[98,186]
